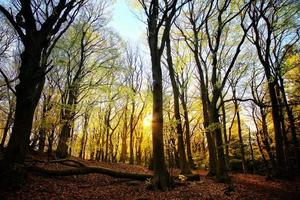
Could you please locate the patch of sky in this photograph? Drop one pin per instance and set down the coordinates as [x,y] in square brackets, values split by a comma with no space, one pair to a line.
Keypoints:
[126,23]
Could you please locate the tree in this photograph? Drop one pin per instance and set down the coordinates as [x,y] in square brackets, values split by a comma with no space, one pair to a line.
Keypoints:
[158,13]
[84,139]
[207,37]
[271,30]
[237,75]
[184,166]
[134,79]
[38,39]
[7,38]
[183,76]
[75,53]
[47,105]
[260,117]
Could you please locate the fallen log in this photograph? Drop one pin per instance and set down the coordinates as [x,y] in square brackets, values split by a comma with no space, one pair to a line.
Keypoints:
[82,169]
[66,162]
[89,170]
[80,164]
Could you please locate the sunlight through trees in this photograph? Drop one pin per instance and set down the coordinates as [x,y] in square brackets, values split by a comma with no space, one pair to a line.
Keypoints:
[206,85]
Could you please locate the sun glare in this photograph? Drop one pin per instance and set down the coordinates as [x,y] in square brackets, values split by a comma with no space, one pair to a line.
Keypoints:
[147,121]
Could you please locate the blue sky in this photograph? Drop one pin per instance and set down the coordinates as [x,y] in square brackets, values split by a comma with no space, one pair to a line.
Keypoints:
[126,23]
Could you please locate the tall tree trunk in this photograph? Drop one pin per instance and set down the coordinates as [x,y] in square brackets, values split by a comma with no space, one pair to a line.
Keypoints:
[161,175]
[291,119]
[241,142]
[42,131]
[272,83]
[283,128]
[204,99]
[225,133]
[260,148]
[101,151]
[68,115]
[281,165]
[124,137]
[131,128]
[266,138]
[111,148]
[7,126]
[184,166]
[215,127]
[36,39]
[26,101]
[42,139]
[64,138]
[107,128]
[139,141]
[258,132]
[187,130]
[84,135]
[251,149]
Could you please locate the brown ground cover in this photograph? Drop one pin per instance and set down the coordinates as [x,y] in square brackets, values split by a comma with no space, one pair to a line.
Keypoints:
[99,186]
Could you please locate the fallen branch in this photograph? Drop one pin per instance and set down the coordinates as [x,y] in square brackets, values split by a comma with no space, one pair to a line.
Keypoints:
[67,162]
[82,169]
[89,170]
[80,164]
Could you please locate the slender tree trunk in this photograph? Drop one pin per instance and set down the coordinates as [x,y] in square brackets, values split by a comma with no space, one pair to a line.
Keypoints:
[42,131]
[291,119]
[100,141]
[131,156]
[101,151]
[161,177]
[202,147]
[225,133]
[184,166]
[84,135]
[212,153]
[116,148]
[139,149]
[266,138]
[283,129]
[257,138]
[107,127]
[124,138]
[111,148]
[42,139]
[280,159]
[260,148]
[230,129]
[7,126]
[251,150]
[241,142]
[187,131]
[50,142]
[204,99]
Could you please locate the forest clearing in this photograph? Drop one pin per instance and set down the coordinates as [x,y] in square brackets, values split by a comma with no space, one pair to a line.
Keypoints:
[149,99]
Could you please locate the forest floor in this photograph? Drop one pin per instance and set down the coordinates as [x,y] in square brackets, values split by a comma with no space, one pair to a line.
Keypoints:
[98,186]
